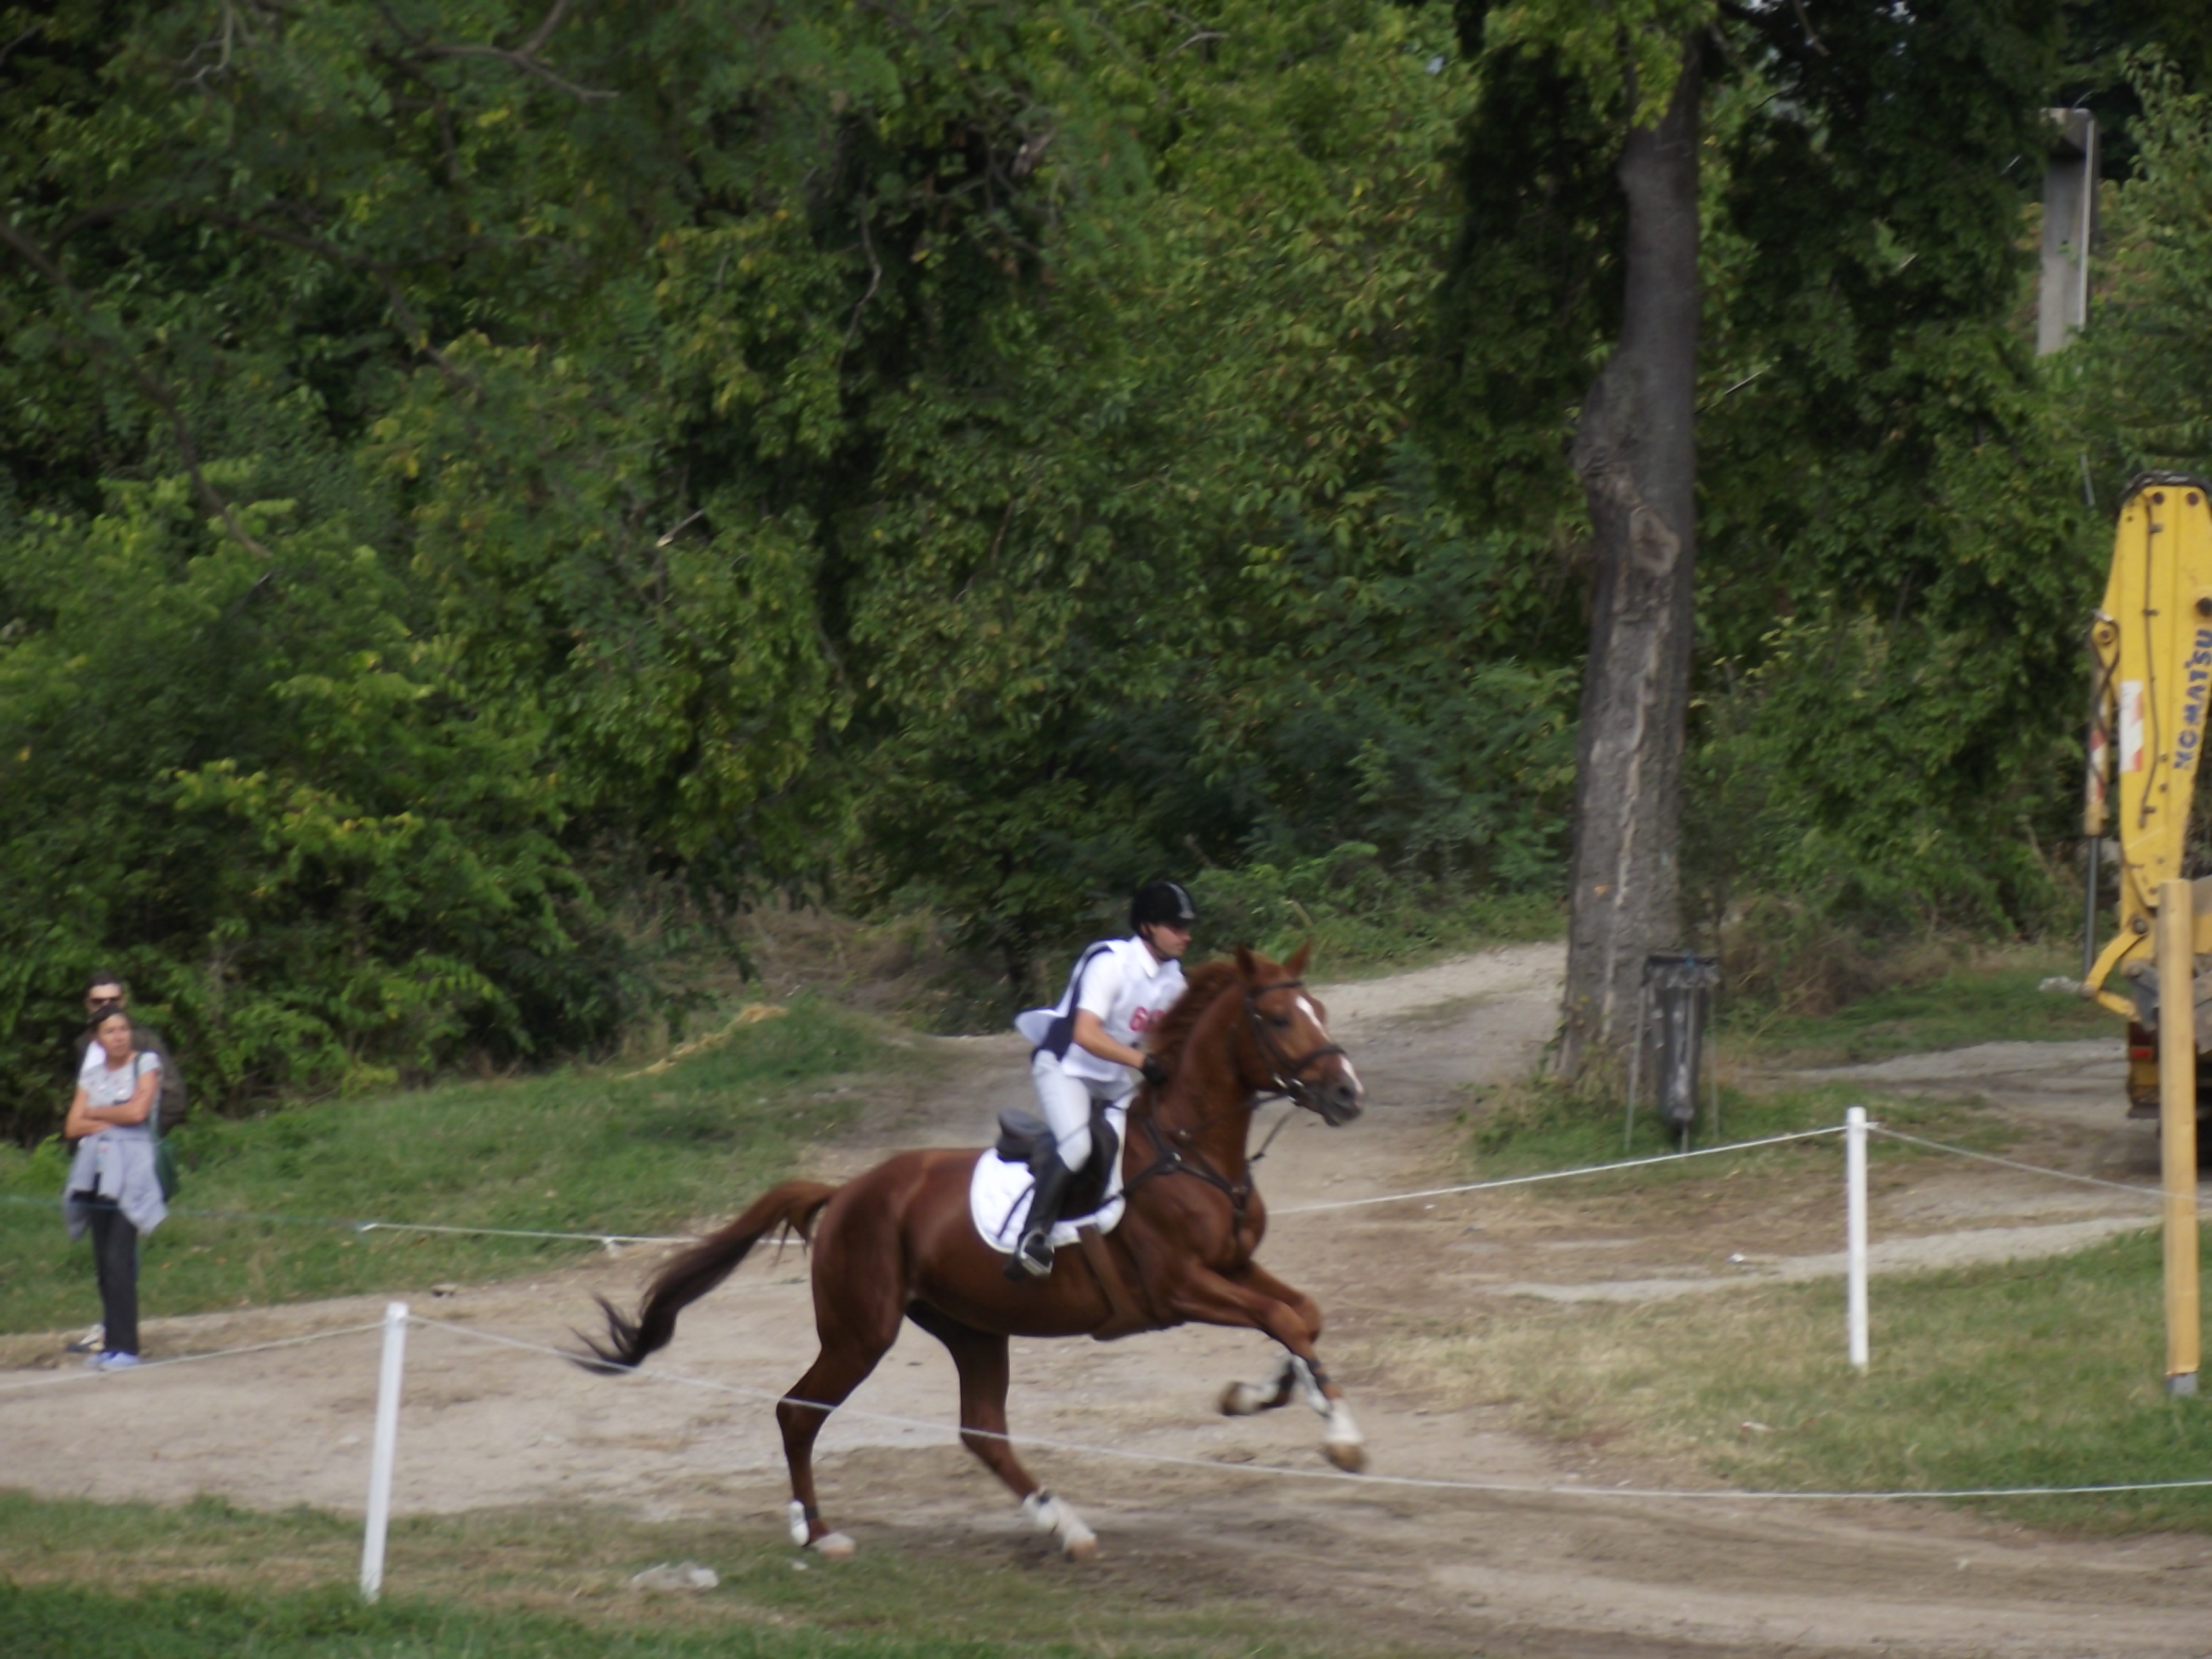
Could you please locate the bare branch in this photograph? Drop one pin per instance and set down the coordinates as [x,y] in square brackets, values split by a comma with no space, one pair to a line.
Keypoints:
[1812,37]
[524,58]
[8,51]
[875,281]
[544,32]
[678,527]
[149,386]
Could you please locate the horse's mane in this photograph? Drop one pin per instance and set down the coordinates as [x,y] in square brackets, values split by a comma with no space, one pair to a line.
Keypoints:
[1202,989]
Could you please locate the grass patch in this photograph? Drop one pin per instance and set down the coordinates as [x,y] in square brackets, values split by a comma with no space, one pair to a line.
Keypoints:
[208,1578]
[571,1150]
[2043,1373]
[1997,1003]
[1525,1127]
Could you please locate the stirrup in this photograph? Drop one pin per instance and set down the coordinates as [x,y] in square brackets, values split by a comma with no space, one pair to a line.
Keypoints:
[1032,1257]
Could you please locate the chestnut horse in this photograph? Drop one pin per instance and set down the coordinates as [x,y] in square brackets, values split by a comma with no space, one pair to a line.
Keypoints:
[898,1241]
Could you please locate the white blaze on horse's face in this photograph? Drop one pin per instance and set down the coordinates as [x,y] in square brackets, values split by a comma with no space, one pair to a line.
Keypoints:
[1311,1009]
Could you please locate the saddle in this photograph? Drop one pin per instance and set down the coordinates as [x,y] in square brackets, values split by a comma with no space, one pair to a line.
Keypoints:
[1027,1139]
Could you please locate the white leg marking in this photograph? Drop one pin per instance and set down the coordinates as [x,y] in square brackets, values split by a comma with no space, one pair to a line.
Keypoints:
[1341,1443]
[832,1546]
[1057,1516]
[1247,1398]
[1308,1388]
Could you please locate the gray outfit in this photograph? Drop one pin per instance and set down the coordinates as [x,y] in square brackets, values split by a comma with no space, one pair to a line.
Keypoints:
[117,1164]
[175,1101]
[114,1193]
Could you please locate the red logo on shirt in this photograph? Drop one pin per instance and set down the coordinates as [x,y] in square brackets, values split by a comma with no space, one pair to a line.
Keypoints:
[1139,1020]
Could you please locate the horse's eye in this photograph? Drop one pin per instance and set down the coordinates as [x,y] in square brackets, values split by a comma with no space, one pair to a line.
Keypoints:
[1281,1021]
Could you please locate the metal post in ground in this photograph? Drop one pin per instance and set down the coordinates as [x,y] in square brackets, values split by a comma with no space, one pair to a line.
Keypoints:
[2177,1128]
[1855,1231]
[384,1451]
[1636,1066]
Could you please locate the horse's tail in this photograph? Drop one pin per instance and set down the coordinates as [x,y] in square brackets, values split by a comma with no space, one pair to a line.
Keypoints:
[699,1269]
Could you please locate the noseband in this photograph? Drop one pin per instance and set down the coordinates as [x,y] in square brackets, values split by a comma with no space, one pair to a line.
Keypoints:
[1286,1080]
[1286,1077]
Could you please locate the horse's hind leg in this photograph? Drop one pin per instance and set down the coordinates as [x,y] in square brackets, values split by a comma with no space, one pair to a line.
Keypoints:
[842,1366]
[981,1358]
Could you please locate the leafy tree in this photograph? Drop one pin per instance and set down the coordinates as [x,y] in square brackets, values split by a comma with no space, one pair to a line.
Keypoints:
[1820,192]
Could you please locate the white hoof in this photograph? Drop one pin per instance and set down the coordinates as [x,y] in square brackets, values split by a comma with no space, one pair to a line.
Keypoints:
[833,1547]
[1341,1443]
[1248,1399]
[794,1516]
[1051,1515]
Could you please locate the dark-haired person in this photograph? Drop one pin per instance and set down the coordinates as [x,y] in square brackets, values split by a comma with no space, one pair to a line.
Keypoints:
[105,990]
[1087,1046]
[114,1191]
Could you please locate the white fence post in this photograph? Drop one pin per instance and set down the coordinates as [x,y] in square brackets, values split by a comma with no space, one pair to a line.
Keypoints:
[1855,1230]
[381,1455]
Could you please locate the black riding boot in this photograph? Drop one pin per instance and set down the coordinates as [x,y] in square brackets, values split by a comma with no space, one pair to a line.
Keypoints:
[1032,1257]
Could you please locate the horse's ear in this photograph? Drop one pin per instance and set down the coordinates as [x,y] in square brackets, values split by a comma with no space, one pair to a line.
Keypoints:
[1246,964]
[1295,967]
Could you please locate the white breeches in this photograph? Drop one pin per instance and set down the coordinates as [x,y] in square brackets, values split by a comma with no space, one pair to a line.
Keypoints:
[1067,1102]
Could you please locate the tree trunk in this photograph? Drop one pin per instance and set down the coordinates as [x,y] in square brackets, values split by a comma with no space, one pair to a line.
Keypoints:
[1634,450]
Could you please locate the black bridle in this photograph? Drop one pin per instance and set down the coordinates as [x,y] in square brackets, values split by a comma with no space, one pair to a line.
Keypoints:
[1286,1080]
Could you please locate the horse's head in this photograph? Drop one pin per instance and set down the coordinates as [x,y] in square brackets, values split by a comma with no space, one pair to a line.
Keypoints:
[1285,1044]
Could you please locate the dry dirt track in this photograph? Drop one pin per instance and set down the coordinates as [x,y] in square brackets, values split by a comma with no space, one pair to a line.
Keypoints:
[1453,1571]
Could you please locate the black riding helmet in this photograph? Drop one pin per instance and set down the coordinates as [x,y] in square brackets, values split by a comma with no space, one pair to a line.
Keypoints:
[1165,901]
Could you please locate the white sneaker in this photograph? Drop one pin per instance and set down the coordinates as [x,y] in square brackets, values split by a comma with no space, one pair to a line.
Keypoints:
[112,1361]
[90,1342]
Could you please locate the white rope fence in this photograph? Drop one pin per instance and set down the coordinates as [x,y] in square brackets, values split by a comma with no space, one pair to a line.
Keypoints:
[1427,1483]
[1561,1174]
[1855,1129]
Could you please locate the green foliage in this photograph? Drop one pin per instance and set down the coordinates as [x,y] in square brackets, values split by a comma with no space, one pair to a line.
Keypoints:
[268,1202]
[2141,372]
[1894,558]
[462,487]
[1355,910]
[963,455]
[1244,621]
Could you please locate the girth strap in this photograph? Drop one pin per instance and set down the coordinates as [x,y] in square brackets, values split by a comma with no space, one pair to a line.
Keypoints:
[1125,1317]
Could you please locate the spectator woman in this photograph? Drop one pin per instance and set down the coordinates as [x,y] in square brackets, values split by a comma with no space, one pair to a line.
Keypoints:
[114,1191]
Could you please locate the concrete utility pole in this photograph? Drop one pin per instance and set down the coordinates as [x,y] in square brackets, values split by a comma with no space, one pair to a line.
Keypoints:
[2069,213]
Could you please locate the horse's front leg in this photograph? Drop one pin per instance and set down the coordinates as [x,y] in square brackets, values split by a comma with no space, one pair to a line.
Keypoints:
[1248,1399]
[1214,1298]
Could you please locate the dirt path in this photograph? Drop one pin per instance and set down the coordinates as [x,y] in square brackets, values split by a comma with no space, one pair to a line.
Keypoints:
[1454,1571]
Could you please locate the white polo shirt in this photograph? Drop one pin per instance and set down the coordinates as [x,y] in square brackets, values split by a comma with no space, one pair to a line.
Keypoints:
[1128,987]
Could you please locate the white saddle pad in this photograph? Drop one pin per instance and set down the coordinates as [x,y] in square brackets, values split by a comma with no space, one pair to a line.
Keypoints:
[999,1197]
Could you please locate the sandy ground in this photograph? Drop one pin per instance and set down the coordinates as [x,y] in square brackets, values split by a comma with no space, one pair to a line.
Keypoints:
[1505,1573]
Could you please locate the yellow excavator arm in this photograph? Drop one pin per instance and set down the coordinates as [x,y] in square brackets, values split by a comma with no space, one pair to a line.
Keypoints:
[2151,642]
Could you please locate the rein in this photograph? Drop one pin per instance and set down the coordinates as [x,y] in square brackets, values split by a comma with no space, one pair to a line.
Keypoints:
[1287,1081]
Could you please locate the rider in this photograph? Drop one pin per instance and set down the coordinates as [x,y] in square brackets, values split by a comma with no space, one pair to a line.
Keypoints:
[1086,1046]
